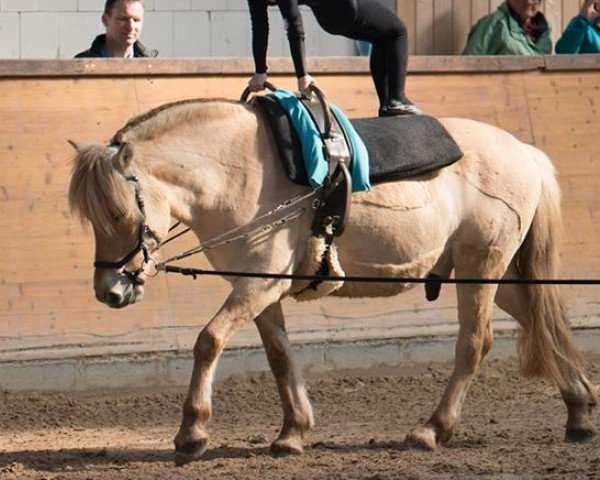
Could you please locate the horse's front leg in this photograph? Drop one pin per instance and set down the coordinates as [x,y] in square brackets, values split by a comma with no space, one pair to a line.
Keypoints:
[297,411]
[243,304]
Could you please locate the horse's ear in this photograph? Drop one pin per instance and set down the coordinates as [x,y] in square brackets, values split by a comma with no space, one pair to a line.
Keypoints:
[124,156]
[74,144]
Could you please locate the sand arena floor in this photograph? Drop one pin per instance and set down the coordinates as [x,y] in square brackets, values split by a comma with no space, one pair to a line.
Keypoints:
[512,428]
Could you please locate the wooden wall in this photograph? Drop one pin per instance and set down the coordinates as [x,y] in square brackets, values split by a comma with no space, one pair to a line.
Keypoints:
[47,304]
[441,27]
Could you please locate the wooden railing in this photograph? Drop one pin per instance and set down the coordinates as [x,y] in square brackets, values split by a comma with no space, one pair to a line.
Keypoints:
[48,308]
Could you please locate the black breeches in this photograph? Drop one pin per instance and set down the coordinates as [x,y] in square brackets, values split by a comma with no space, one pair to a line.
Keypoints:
[378,25]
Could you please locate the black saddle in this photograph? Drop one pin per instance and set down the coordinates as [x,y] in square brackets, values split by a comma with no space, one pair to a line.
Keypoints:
[399,147]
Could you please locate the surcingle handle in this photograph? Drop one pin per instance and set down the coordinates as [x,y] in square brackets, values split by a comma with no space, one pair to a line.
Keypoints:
[246,93]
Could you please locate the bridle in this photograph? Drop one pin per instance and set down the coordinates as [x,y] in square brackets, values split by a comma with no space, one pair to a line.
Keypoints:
[145,233]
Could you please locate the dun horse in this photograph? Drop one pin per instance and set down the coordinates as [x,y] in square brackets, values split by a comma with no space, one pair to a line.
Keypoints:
[213,166]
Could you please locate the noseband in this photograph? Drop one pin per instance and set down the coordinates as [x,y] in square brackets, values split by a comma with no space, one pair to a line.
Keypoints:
[144,232]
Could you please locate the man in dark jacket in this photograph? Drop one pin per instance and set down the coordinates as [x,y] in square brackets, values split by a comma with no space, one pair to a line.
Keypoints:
[123,20]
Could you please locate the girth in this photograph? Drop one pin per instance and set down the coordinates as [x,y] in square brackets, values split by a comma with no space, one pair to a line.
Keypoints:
[334,200]
[333,204]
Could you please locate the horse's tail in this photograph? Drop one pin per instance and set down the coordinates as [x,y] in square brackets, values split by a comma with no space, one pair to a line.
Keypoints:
[546,346]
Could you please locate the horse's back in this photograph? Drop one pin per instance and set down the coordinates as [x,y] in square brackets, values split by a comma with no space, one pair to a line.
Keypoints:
[499,164]
[480,137]
[485,200]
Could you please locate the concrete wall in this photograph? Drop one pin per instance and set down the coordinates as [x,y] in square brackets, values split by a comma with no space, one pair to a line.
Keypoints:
[177,28]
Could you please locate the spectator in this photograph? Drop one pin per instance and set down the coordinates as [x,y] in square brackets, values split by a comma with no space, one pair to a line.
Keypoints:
[582,35]
[517,27]
[366,20]
[123,20]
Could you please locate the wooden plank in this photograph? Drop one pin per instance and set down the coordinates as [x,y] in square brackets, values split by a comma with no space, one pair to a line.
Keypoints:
[479,9]
[473,63]
[572,62]
[48,306]
[570,8]
[443,28]
[424,40]
[206,68]
[461,25]
[406,10]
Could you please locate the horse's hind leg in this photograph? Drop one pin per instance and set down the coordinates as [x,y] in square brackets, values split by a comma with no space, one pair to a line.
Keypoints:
[475,338]
[576,390]
[297,411]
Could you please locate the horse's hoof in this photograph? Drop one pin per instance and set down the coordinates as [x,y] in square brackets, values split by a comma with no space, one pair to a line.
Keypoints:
[422,438]
[580,435]
[189,452]
[287,446]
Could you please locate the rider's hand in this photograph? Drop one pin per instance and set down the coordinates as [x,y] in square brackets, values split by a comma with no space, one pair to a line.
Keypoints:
[257,82]
[304,84]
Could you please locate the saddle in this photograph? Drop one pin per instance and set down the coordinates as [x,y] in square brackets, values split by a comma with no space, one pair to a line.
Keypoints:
[398,148]
[334,194]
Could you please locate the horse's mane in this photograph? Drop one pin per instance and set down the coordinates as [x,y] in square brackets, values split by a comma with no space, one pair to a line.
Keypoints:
[165,117]
[97,191]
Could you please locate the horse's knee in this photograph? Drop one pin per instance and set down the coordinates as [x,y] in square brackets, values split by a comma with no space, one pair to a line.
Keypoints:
[208,346]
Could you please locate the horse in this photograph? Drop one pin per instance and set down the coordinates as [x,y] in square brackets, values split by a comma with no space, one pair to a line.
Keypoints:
[212,165]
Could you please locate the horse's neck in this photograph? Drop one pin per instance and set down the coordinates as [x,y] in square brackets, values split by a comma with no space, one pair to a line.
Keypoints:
[208,173]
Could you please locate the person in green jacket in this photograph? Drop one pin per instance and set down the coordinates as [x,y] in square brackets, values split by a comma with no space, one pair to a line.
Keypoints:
[582,35]
[517,27]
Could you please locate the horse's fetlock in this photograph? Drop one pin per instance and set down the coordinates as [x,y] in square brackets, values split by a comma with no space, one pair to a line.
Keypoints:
[299,422]
[444,425]
[190,437]
[195,415]
[580,395]
[304,422]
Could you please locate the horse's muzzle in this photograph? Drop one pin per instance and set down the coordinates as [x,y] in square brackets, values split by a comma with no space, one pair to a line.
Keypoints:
[120,290]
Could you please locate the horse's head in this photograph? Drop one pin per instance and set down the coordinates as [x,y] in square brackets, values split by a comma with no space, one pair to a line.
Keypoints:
[129,216]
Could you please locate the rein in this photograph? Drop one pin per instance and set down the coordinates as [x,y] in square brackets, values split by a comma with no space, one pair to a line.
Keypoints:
[256,226]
